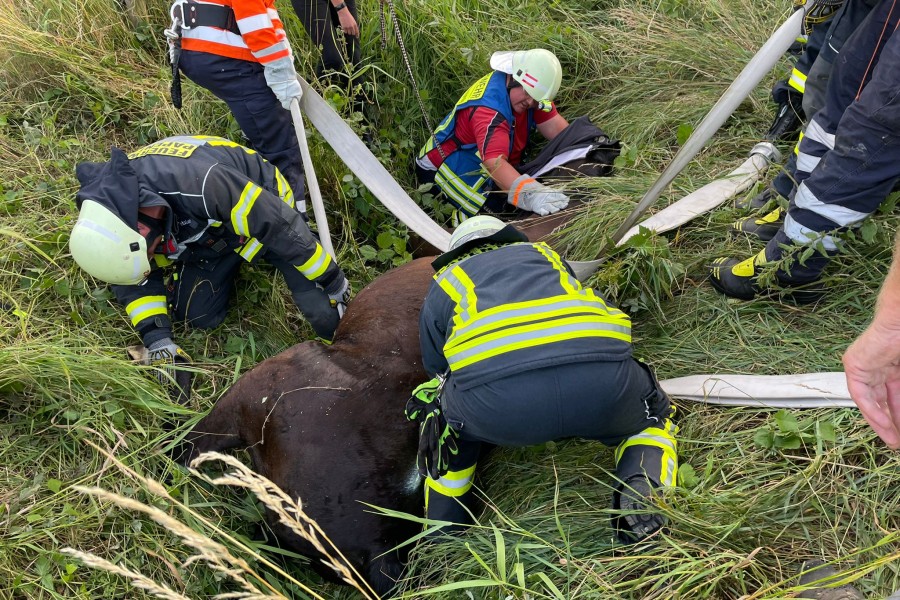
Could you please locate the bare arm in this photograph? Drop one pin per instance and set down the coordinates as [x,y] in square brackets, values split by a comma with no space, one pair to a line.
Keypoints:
[552,128]
[872,362]
[501,172]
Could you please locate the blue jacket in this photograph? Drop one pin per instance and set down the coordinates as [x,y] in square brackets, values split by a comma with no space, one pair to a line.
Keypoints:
[461,176]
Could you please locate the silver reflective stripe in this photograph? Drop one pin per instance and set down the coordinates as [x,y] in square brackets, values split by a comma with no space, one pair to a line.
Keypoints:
[804,235]
[817,133]
[541,311]
[454,484]
[807,162]
[843,216]
[510,340]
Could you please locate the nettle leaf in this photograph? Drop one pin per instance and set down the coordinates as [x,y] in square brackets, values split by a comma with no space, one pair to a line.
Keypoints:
[385,240]
[826,432]
[687,477]
[367,252]
[868,231]
[790,441]
[786,422]
[764,438]
[684,133]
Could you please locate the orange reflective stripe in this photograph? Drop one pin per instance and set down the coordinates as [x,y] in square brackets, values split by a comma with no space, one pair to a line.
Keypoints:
[518,189]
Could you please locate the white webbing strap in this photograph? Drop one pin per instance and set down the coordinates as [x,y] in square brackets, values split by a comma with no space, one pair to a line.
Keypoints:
[366,167]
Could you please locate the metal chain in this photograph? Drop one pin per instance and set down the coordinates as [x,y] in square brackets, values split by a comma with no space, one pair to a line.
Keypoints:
[409,70]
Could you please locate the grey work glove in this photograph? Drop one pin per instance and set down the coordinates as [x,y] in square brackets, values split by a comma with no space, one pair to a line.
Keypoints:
[166,355]
[341,297]
[526,193]
[282,79]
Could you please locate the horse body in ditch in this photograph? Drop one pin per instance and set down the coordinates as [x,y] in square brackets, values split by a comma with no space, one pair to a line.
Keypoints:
[325,423]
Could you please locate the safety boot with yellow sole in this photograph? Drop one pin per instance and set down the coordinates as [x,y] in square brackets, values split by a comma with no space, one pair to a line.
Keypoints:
[737,278]
[764,227]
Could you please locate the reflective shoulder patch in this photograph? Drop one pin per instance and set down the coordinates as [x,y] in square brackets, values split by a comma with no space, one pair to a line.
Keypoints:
[166,148]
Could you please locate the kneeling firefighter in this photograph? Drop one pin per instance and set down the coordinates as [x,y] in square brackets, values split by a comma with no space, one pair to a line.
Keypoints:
[170,225]
[523,354]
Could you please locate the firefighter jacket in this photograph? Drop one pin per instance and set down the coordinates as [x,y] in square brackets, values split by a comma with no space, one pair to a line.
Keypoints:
[512,309]
[461,176]
[257,34]
[220,198]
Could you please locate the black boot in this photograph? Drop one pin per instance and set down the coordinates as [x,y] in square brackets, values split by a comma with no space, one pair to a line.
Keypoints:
[813,571]
[788,119]
[634,495]
[737,278]
[764,227]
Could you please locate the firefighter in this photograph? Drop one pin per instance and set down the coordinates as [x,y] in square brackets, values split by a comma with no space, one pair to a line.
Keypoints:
[847,165]
[238,50]
[476,148]
[801,96]
[202,205]
[333,27]
[522,354]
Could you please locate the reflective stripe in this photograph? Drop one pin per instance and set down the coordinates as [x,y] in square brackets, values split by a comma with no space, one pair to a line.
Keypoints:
[146,307]
[841,215]
[797,145]
[251,24]
[467,198]
[242,209]
[277,51]
[798,80]
[657,437]
[453,484]
[481,334]
[800,234]
[817,133]
[541,334]
[284,190]
[807,162]
[316,265]
[249,250]
[520,313]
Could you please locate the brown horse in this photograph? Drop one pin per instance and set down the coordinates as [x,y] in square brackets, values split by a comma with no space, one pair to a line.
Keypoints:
[326,423]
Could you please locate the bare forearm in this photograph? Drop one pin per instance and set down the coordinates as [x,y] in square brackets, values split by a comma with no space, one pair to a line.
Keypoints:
[501,172]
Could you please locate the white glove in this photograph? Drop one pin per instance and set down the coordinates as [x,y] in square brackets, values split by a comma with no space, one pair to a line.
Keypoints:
[341,297]
[526,193]
[282,79]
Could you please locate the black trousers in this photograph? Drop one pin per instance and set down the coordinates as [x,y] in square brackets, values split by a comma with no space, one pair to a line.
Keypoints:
[201,291]
[340,52]
[242,85]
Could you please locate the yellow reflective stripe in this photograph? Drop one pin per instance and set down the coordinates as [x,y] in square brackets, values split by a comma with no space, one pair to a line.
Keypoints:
[249,250]
[316,265]
[241,210]
[284,190]
[468,198]
[662,438]
[461,289]
[146,307]
[797,80]
[535,335]
[568,283]
[797,146]
[522,313]
[454,484]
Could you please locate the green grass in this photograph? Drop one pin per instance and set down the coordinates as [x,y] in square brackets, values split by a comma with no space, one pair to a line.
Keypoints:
[79,77]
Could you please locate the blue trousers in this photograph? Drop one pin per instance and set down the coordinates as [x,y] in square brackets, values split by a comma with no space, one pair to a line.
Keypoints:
[847,20]
[267,125]
[849,159]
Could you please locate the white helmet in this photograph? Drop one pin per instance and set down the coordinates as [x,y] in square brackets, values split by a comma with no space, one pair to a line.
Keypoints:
[477,227]
[107,248]
[537,70]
